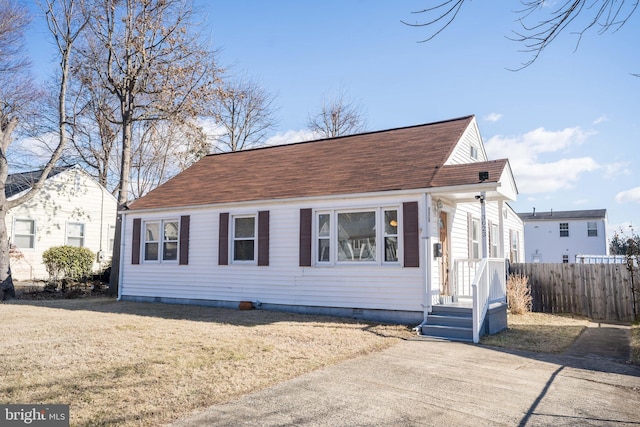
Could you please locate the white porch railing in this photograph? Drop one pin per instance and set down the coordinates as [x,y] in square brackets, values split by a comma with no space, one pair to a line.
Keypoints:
[489,286]
[464,271]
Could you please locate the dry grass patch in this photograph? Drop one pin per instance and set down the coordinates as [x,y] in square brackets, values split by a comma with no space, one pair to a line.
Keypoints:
[539,332]
[136,364]
[635,343]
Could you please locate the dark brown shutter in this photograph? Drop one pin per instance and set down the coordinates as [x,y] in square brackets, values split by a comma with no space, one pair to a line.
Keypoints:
[184,240]
[411,234]
[263,238]
[135,242]
[223,239]
[305,237]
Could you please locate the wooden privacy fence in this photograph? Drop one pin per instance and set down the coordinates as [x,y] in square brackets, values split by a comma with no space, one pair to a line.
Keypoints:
[598,291]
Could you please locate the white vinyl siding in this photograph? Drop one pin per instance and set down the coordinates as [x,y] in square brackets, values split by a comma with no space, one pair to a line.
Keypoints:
[69,197]
[365,285]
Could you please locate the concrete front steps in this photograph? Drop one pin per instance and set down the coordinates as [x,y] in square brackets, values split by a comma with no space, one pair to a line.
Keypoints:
[452,322]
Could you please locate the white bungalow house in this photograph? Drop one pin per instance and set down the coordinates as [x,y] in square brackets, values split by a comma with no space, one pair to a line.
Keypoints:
[70,209]
[395,225]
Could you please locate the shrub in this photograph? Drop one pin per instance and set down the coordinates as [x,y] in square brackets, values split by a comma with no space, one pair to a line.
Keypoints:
[70,262]
[518,294]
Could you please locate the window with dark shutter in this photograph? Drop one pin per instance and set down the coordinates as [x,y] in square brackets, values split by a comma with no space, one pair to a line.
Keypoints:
[184,240]
[135,243]
[223,239]
[305,237]
[411,234]
[263,238]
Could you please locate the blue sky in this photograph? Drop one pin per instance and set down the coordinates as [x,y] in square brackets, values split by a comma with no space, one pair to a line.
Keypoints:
[569,123]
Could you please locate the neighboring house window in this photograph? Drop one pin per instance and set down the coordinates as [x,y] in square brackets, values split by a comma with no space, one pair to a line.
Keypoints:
[475,238]
[244,238]
[161,240]
[112,236]
[565,259]
[75,234]
[592,229]
[494,240]
[24,233]
[474,152]
[564,229]
[348,236]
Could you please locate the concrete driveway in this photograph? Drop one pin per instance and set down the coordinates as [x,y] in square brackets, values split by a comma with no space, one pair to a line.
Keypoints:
[426,382]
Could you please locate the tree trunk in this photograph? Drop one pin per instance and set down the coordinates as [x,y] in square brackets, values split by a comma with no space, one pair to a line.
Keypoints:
[123,195]
[6,281]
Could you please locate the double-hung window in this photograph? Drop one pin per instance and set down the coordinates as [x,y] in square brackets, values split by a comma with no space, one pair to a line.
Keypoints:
[244,238]
[24,233]
[475,239]
[592,229]
[161,240]
[355,236]
[75,234]
[564,229]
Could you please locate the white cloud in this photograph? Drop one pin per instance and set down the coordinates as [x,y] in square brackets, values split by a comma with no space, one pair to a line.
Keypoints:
[533,175]
[290,136]
[600,119]
[632,195]
[493,117]
[611,170]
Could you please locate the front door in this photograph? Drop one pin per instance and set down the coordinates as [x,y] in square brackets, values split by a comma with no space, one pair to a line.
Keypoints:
[444,259]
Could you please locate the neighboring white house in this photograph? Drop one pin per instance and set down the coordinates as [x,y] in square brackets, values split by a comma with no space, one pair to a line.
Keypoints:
[70,209]
[560,236]
[377,225]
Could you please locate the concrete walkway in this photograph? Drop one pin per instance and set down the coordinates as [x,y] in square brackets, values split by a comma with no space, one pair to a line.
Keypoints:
[428,382]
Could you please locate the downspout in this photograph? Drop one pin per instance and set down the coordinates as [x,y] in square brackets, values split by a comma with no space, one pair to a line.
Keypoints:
[425,236]
[121,270]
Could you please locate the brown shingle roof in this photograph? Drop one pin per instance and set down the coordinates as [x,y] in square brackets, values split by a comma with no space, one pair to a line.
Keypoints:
[468,173]
[396,159]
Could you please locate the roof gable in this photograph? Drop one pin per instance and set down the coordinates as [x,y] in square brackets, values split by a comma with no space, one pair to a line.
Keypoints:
[16,183]
[397,159]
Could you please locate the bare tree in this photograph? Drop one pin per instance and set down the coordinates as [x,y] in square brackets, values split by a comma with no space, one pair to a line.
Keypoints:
[17,98]
[163,150]
[245,112]
[540,24]
[149,57]
[338,116]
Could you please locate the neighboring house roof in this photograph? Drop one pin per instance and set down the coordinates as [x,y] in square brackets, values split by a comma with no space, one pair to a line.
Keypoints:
[563,215]
[18,182]
[397,159]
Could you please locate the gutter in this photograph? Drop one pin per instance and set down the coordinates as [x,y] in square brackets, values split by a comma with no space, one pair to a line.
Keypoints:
[121,268]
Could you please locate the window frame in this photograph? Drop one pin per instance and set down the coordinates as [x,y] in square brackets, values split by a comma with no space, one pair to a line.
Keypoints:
[159,242]
[233,239]
[32,236]
[475,249]
[82,237]
[381,237]
[565,259]
[592,231]
[494,238]
[564,231]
